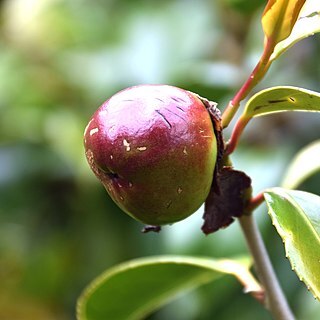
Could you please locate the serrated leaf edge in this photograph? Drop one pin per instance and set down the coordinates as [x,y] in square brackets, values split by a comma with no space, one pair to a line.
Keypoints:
[280,192]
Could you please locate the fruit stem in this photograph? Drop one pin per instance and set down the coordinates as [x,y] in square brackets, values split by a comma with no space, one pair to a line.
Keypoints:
[235,135]
[254,202]
[256,75]
[275,302]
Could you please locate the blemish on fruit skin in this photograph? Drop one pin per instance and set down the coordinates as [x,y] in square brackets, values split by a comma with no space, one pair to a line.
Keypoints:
[126,144]
[179,190]
[90,159]
[112,129]
[113,176]
[185,151]
[177,115]
[168,124]
[142,148]
[93,131]
[180,108]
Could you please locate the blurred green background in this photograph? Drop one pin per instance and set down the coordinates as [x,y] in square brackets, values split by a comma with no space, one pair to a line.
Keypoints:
[59,60]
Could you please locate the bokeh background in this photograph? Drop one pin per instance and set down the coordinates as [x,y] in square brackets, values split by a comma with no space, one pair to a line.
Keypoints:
[59,60]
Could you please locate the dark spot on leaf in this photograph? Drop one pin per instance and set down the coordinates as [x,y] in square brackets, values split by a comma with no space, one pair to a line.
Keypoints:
[277,101]
[310,15]
[259,107]
[147,229]
[227,199]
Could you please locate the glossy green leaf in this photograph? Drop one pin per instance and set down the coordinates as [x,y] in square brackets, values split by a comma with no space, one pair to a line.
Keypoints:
[305,164]
[280,99]
[307,25]
[136,288]
[279,18]
[296,216]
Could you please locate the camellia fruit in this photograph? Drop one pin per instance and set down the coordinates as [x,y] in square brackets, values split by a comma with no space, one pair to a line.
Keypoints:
[154,149]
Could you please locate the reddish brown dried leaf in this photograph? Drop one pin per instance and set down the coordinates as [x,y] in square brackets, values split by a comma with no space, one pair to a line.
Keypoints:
[227,199]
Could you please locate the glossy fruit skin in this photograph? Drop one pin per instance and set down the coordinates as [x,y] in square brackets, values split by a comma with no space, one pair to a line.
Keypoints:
[154,149]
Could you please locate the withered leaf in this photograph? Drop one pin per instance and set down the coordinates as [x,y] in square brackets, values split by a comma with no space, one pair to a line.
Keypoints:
[227,199]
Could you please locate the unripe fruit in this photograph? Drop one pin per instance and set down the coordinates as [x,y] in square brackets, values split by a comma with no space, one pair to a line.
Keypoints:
[154,149]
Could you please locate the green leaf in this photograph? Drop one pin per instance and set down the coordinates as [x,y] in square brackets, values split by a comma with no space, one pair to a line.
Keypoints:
[296,216]
[136,288]
[307,25]
[280,99]
[305,164]
[279,17]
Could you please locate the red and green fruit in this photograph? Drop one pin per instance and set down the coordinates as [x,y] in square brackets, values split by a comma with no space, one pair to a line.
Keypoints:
[154,149]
